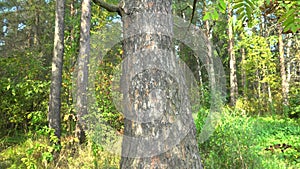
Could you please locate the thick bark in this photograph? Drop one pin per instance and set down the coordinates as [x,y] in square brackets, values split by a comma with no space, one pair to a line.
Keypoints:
[232,61]
[284,82]
[159,130]
[57,63]
[82,76]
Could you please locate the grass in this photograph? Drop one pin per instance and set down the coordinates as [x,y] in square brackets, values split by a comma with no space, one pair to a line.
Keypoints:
[36,153]
[238,142]
[241,142]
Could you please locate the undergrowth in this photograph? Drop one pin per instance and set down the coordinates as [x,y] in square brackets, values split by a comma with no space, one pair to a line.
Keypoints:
[239,141]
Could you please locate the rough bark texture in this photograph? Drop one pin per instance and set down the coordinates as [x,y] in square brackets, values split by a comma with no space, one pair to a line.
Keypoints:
[284,82]
[157,111]
[82,76]
[232,61]
[57,63]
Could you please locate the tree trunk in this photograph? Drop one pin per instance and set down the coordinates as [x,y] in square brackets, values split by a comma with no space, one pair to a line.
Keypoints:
[72,13]
[282,68]
[82,76]
[210,59]
[159,130]
[243,53]
[289,57]
[57,64]
[36,29]
[232,62]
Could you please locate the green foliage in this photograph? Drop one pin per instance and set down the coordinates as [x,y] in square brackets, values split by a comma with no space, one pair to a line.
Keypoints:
[245,10]
[89,156]
[289,15]
[213,11]
[24,61]
[294,107]
[240,142]
[36,152]
[104,103]
[260,67]
[25,104]
[230,146]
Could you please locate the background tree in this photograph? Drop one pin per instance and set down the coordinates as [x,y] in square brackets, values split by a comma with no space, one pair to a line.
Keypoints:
[82,74]
[232,59]
[284,82]
[57,65]
[25,64]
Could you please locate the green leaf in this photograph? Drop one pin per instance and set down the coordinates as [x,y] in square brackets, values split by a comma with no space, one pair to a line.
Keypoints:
[250,23]
[239,11]
[237,1]
[215,15]
[288,21]
[222,5]
[249,11]
[241,16]
[250,4]
[206,17]
[284,17]
[294,28]
[289,27]
[292,11]
[238,5]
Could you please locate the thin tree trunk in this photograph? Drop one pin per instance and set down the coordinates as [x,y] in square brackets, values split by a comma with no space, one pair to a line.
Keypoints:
[156,114]
[57,64]
[258,88]
[36,28]
[200,77]
[209,60]
[232,62]
[72,13]
[82,76]
[270,98]
[206,22]
[282,68]
[243,53]
[288,55]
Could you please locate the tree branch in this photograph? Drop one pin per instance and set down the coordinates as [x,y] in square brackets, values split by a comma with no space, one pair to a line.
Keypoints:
[109,7]
[194,9]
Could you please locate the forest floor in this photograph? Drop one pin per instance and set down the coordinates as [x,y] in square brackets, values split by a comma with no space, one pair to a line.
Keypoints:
[239,142]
